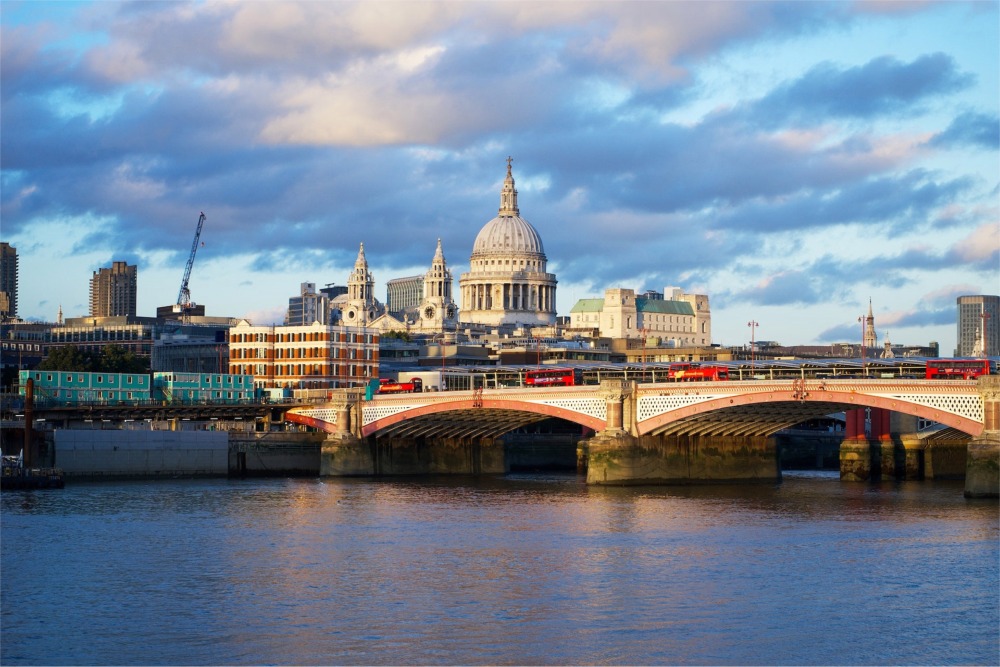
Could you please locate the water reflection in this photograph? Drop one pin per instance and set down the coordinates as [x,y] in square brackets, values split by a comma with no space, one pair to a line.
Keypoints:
[517,570]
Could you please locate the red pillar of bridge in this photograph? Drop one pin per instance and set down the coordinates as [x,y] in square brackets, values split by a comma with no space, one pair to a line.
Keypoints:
[880,425]
[855,451]
[855,427]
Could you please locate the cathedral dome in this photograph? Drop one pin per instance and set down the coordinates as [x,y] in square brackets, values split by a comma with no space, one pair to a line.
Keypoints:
[508,234]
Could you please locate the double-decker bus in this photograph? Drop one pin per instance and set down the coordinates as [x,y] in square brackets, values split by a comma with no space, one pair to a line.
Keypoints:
[387,386]
[957,369]
[696,373]
[553,377]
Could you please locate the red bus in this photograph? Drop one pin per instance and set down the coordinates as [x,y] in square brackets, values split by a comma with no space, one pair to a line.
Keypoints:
[696,373]
[957,369]
[387,386]
[553,377]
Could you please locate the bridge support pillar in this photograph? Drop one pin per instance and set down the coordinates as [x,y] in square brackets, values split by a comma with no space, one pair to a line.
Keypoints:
[856,453]
[343,454]
[617,458]
[982,471]
[911,457]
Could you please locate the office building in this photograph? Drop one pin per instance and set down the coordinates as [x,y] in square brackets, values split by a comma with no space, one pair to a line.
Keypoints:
[113,291]
[8,281]
[310,306]
[978,326]
[317,356]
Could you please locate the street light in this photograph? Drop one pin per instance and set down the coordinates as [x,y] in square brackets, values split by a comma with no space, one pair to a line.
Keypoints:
[753,324]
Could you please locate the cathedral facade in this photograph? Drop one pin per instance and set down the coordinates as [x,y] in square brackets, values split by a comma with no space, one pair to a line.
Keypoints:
[507,283]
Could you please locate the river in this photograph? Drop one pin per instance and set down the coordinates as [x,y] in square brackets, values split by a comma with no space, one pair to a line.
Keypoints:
[522,569]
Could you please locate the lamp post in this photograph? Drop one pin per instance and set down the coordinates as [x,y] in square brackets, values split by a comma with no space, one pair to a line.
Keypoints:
[753,324]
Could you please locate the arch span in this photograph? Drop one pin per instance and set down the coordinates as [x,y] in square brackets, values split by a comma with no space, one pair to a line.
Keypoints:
[486,413]
[765,412]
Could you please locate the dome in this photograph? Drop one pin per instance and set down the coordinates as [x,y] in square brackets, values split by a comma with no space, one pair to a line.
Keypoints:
[508,234]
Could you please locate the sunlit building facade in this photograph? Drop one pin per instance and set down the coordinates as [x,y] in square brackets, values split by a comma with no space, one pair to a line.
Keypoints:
[304,357]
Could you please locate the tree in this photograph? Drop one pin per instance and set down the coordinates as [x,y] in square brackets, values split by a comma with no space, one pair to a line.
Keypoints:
[400,335]
[67,358]
[118,359]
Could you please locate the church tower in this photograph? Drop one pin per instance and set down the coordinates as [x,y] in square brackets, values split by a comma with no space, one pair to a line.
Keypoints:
[361,306]
[870,337]
[437,310]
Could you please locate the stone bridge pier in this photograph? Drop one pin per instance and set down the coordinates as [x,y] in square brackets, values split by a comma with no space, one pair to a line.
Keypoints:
[618,455]
[343,453]
[982,468]
[871,451]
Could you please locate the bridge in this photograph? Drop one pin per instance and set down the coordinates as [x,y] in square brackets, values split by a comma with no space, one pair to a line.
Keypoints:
[624,415]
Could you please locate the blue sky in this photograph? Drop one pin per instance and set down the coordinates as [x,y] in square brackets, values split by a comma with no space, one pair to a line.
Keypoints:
[792,160]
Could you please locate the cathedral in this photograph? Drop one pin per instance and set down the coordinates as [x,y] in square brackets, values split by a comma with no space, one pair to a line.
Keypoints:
[507,284]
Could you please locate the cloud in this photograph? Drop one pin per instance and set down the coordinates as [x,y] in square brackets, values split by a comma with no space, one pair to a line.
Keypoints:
[882,86]
[970,129]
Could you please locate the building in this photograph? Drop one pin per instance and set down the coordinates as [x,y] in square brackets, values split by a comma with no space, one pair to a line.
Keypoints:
[203,388]
[358,307]
[437,312]
[683,320]
[978,326]
[75,387]
[8,281]
[113,291]
[403,296]
[93,334]
[316,356]
[507,285]
[310,306]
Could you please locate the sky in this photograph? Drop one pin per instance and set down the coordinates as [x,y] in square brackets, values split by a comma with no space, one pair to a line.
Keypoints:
[795,161]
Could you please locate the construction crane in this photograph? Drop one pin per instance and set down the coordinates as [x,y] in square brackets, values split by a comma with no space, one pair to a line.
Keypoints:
[184,296]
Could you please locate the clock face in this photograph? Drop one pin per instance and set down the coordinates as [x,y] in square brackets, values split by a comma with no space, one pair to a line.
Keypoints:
[429,312]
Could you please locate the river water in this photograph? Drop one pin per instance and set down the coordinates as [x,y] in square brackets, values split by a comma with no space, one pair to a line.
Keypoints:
[523,569]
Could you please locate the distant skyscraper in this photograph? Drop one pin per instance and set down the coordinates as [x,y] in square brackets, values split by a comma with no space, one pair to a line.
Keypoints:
[113,291]
[403,294]
[8,281]
[976,314]
[309,307]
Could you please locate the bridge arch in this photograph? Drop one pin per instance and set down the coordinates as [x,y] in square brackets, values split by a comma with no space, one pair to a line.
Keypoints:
[473,410]
[779,408]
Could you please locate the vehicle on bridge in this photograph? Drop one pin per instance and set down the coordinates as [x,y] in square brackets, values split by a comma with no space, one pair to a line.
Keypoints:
[553,377]
[412,386]
[696,373]
[957,369]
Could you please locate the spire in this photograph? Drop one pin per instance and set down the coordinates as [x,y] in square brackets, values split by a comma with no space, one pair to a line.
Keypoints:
[508,196]
[361,262]
[59,317]
[871,338]
[438,254]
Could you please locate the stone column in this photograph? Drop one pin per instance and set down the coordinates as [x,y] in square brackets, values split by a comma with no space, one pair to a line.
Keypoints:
[982,470]
[615,392]
[855,450]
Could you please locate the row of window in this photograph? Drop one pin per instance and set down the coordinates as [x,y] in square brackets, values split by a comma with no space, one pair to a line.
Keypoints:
[296,370]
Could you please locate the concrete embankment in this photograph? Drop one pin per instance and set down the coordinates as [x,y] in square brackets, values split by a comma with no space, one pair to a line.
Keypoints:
[112,454]
[90,454]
